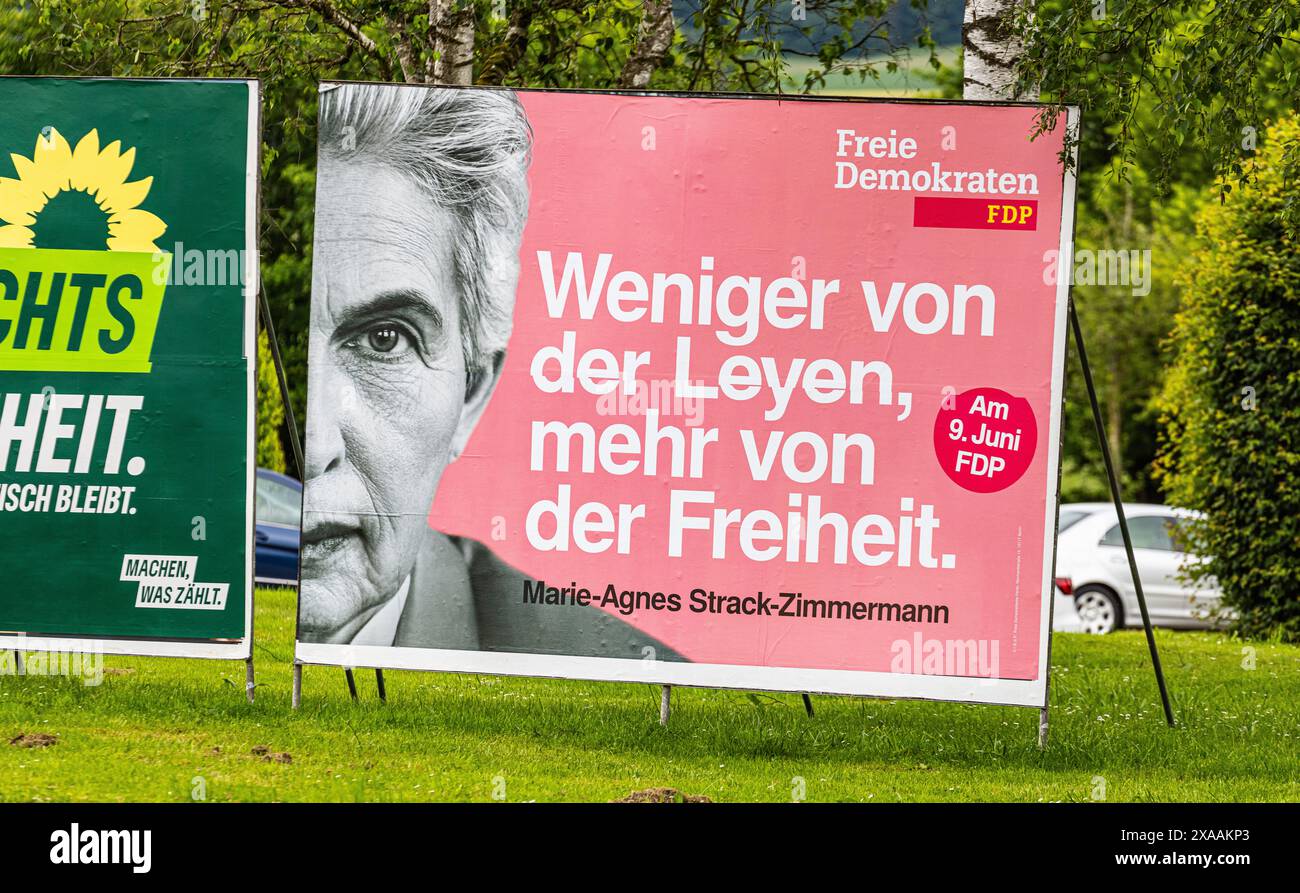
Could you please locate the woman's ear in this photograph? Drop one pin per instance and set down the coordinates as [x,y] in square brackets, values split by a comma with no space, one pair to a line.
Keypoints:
[479,385]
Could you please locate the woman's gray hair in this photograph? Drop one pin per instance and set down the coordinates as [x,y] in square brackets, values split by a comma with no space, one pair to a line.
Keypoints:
[469,150]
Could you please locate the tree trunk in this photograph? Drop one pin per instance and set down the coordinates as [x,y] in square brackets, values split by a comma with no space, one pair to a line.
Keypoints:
[1115,362]
[990,48]
[1115,417]
[653,40]
[451,23]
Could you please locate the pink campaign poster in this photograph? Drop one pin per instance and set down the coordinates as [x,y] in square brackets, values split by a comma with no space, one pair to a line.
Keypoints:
[737,392]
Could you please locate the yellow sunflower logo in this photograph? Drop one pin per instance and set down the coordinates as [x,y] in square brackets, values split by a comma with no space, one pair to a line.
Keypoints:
[76,198]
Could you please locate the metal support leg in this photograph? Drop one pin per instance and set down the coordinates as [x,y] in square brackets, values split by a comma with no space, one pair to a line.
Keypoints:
[379,683]
[807,704]
[352,682]
[1119,509]
[297,685]
[248,678]
[665,699]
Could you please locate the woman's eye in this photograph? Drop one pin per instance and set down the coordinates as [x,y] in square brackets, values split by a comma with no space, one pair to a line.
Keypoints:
[384,342]
[383,339]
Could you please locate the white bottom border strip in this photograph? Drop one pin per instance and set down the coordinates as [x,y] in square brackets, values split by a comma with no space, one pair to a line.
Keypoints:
[965,689]
[234,650]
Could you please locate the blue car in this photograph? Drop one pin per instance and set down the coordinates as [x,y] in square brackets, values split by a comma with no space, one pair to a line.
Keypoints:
[279,516]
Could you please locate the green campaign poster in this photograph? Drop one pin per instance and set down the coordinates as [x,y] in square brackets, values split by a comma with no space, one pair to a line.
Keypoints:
[127,336]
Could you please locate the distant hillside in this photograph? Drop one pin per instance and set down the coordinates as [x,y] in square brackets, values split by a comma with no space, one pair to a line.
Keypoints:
[904,23]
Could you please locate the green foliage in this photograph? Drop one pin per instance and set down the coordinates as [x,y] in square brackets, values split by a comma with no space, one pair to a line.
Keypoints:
[1181,90]
[1121,228]
[1175,98]
[1231,402]
[270,409]
[1082,481]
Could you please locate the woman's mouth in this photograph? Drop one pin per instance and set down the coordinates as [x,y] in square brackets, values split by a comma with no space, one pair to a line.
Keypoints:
[327,533]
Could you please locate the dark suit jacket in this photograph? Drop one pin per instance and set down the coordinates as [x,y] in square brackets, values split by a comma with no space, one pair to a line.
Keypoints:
[463,596]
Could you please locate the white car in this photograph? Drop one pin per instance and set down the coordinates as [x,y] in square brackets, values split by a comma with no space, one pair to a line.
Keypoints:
[1090,555]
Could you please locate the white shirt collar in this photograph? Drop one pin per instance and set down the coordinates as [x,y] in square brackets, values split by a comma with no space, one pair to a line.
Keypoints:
[381,629]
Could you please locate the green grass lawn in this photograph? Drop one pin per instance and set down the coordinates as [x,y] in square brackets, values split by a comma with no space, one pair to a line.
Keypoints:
[161,729]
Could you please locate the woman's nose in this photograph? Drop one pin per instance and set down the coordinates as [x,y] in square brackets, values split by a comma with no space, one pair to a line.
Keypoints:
[327,406]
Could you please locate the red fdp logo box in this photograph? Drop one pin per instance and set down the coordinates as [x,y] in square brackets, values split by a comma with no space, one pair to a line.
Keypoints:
[975,213]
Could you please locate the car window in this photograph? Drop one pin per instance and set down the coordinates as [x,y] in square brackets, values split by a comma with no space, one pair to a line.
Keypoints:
[278,504]
[1069,517]
[1113,537]
[1148,532]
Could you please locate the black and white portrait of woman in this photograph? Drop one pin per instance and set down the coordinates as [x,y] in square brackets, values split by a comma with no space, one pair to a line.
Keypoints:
[421,200]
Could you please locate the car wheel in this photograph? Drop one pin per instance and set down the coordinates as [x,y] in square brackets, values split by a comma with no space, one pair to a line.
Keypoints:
[1098,609]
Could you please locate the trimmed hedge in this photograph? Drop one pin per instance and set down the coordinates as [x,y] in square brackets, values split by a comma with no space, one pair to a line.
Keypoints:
[1231,399]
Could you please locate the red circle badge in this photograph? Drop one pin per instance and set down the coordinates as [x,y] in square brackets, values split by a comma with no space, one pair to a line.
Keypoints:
[985,438]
